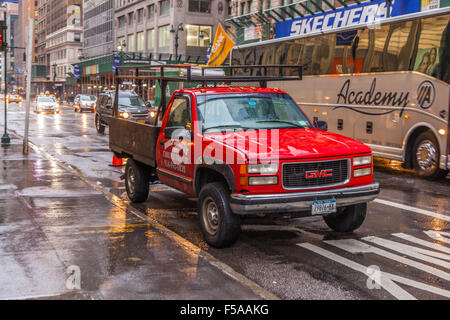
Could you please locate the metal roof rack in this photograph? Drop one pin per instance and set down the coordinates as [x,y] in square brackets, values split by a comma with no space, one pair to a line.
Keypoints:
[203,74]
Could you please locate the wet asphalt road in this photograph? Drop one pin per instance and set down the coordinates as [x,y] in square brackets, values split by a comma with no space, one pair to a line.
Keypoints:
[404,243]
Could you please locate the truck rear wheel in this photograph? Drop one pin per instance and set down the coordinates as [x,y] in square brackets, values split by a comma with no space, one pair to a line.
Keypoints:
[137,181]
[219,225]
[426,156]
[98,124]
[347,219]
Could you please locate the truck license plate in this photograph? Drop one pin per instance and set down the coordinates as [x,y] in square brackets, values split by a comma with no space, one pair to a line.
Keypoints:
[323,207]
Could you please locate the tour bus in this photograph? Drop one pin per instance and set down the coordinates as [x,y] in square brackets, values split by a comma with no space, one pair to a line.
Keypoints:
[384,84]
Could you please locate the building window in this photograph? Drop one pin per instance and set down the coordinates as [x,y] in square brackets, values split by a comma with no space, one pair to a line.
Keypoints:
[140,41]
[130,18]
[198,36]
[151,11]
[151,39]
[122,21]
[140,15]
[130,44]
[200,6]
[164,36]
[120,43]
[164,7]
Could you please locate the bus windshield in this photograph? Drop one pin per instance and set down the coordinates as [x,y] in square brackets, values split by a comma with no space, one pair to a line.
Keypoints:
[250,111]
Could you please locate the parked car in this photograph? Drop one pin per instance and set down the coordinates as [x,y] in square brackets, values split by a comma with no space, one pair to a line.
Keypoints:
[46,104]
[131,107]
[84,102]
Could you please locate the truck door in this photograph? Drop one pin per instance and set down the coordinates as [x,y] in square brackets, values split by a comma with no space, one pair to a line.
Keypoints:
[175,166]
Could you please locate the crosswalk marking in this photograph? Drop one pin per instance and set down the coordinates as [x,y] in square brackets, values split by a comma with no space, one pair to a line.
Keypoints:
[413,209]
[389,281]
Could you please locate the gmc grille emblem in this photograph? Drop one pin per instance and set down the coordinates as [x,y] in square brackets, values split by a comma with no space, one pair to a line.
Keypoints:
[319,174]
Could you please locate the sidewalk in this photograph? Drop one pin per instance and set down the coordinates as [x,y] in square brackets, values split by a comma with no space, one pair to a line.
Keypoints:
[54,224]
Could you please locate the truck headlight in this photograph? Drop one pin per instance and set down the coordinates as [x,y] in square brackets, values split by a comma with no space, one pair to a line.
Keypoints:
[264,168]
[362,172]
[262,181]
[125,115]
[362,161]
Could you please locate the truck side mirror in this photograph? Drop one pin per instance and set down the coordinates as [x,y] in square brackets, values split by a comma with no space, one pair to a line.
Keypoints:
[321,125]
[148,104]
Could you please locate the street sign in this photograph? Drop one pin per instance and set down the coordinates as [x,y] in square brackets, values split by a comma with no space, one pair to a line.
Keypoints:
[76,71]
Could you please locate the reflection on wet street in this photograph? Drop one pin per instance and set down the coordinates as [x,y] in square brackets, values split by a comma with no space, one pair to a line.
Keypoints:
[64,205]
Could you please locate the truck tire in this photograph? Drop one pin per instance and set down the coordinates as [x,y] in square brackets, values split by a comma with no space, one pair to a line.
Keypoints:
[347,219]
[137,180]
[98,124]
[425,156]
[219,225]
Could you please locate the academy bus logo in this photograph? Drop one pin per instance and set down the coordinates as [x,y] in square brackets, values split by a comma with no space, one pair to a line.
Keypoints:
[426,94]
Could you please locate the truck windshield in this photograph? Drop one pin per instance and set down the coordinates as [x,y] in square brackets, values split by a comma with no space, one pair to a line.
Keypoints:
[131,101]
[250,111]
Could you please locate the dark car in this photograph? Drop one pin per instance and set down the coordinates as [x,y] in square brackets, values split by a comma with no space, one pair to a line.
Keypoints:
[131,107]
[84,102]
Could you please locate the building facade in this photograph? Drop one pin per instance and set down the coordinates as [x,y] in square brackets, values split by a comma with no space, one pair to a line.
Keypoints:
[98,28]
[10,11]
[185,27]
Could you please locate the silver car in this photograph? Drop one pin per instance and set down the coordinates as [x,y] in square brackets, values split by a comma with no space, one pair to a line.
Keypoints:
[46,104]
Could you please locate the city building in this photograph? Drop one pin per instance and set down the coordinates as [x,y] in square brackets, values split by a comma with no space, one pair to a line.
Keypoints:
[145,32]
[58,44]
[10,11]
[27,9]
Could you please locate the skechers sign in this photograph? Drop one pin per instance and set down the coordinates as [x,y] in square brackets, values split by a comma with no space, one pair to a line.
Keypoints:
[366,13]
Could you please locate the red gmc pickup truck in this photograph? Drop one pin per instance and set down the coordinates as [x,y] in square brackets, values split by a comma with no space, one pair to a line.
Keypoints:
[246,151]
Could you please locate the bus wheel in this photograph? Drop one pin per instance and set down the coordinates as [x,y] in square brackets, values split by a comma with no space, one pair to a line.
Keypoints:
[426,156]
[219,225]
[136,181]
[347,219]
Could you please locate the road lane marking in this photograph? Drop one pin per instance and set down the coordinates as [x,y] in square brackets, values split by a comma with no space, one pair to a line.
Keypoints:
[439,235]
[384,281]
[418,253]
[413,209]
[387,280]
[424,243]
[352,246]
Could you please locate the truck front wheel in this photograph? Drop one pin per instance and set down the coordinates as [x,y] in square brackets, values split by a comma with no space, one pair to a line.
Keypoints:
[136,181]
[347,219]
[219,225]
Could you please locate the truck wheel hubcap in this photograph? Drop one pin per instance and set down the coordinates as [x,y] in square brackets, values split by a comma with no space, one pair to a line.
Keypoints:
[426,156]
[210,216]
[130,180]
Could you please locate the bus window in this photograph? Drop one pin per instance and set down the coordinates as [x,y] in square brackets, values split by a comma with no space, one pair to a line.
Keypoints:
[431,47]
[399,47]
[318,55]
[377,40]
[349,58]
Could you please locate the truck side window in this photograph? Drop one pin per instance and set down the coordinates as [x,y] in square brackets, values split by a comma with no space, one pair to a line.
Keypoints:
[179,114]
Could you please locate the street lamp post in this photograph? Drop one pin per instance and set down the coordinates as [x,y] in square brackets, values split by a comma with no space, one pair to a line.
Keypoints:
[172,30]
[5,138]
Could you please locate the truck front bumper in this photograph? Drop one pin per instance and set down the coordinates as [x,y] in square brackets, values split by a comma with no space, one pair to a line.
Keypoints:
[302,201]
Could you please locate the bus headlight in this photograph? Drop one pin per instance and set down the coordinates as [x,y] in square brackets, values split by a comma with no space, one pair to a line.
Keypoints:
[264,168]
[362,161]
[362,172]
[262,181]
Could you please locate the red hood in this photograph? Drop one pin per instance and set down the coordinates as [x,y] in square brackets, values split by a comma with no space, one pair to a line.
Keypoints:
[293,144]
